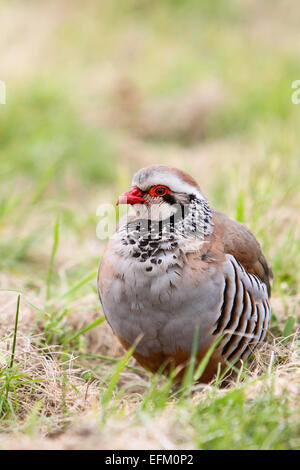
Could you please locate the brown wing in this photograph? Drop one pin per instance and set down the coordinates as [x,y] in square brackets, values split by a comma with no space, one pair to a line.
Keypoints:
[241,243]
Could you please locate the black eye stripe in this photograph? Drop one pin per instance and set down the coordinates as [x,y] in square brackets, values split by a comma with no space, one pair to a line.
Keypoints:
[169,198]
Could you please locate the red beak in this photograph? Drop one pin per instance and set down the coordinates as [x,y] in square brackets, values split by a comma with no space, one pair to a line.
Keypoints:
[134,196]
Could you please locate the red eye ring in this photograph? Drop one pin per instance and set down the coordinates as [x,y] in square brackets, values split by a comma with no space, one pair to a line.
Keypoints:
[159,191]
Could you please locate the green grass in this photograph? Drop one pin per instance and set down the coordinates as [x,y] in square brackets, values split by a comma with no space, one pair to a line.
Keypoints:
[70,138]
[42,135]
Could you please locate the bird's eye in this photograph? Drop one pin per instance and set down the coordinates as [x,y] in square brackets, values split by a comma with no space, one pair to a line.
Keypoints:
[159,190]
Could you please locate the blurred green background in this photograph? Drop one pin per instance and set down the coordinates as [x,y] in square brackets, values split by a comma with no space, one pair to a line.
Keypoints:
[96,90]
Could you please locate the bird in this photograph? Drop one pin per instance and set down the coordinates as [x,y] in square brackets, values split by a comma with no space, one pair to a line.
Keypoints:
[178,276]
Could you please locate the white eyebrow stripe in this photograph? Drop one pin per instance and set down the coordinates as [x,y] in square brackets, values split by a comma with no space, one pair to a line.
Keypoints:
[167,179]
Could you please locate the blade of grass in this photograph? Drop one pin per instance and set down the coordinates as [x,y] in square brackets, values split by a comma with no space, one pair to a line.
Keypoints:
[115,377]
[289,326]
[85,329]
[188,376]
[43,183]
[15,333]
[201,367]
[240,207]
[53,253]
[78,285]
[12,357]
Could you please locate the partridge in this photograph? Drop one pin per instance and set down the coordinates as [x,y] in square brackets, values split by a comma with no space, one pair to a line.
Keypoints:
[177,267]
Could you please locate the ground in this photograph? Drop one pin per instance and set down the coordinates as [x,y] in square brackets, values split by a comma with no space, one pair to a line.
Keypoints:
[95,91]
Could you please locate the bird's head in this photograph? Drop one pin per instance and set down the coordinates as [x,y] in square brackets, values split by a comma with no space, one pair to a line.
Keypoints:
[164,194]
[158,190]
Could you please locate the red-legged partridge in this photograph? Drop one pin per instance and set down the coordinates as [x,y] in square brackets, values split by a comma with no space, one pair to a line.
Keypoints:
[176,267]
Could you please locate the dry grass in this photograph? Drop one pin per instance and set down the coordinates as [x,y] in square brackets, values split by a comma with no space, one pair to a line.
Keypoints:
[153,96]
[53,414]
